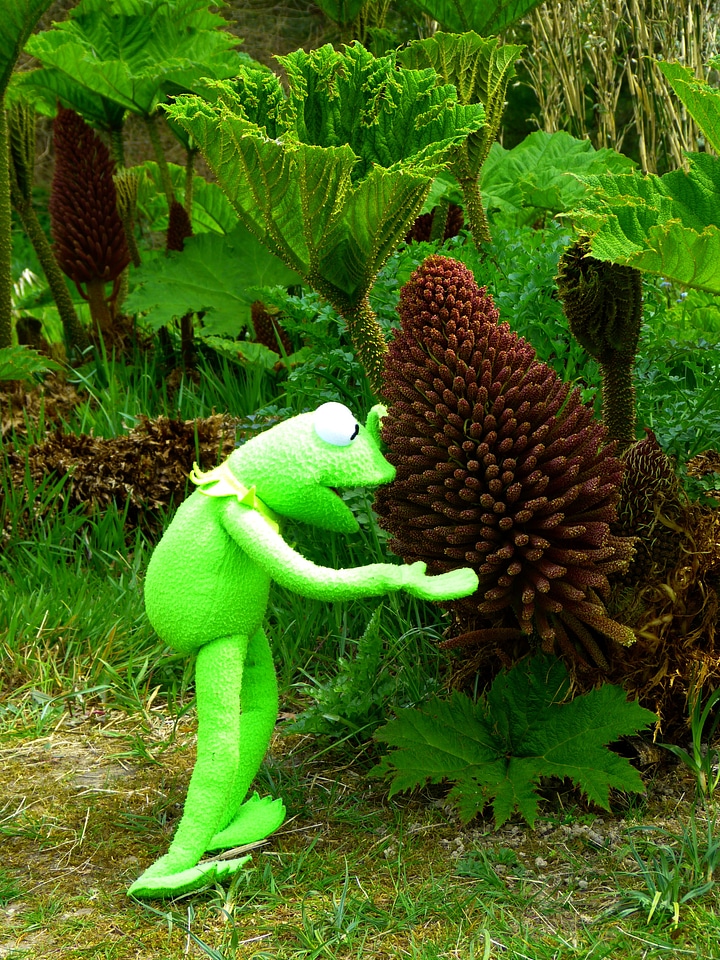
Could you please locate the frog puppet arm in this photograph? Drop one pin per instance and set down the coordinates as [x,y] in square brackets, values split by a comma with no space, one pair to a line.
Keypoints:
[206,590]
[291,570]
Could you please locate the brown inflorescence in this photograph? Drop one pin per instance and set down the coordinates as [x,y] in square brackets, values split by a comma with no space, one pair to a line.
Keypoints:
[422,227]
[179,227]
[651,507]
[268,330]
[501,467]
[86,227]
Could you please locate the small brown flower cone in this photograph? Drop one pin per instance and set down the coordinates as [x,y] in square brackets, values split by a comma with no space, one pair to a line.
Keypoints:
[179,227]
[86,227]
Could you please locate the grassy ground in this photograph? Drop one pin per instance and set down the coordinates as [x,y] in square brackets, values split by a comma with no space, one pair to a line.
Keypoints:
[90,798]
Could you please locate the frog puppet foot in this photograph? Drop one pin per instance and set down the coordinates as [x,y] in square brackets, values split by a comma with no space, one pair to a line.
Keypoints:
[256,819]
[155,882]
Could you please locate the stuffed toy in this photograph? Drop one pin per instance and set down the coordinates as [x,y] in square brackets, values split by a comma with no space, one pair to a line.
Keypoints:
[206,590]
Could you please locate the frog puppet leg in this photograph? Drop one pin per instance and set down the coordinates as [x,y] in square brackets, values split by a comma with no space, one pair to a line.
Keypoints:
[237,705]
[207,589]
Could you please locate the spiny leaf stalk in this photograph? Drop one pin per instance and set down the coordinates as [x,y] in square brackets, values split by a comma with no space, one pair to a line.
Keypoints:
[499,466]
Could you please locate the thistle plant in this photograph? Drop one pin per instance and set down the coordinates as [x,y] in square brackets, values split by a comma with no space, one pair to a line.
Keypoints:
[603,306]
[499,466]
[86,227]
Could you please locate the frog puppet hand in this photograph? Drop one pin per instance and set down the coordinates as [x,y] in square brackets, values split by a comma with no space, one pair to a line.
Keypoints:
[444,586]
[206,591]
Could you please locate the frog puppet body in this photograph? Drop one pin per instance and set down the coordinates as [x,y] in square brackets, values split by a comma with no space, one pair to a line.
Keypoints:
[206,591]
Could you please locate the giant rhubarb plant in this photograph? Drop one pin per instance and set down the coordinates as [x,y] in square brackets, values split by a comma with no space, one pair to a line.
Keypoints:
[86,226]
[330,175]
[667,225]
[497,749]
[486,17]
[132,54]
[499,466]
[480,69]
[18,19]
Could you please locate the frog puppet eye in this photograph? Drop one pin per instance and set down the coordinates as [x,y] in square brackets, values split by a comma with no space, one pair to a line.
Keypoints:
[335,424]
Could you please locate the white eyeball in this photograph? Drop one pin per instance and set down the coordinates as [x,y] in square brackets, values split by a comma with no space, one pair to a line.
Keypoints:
[335,424]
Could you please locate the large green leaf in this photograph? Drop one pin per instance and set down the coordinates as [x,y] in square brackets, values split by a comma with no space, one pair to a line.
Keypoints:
[46,86]
[133,51]
[701,100]
[329,175]
[666,225]
[18,20]
[480,69]
[383,114]
[341,11]
[539,176]
[211,210]
[214,274]
[22,363]
[485,17]
[497,749]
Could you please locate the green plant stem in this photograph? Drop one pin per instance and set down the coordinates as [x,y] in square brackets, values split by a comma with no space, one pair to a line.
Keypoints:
[129,227]
[5,233]
[475,211]
[117,146]
[366,336]
[189,174]
[618,401]
[439,220]
[151,124]
[75,334]
[99,309]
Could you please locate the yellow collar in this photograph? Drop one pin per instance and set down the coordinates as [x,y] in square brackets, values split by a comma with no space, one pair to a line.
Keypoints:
[221,482]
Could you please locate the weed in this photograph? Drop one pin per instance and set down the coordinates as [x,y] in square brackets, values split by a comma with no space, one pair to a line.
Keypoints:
[704,762]
[676,870]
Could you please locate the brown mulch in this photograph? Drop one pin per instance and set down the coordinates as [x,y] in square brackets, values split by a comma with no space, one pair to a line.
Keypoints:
[144,472]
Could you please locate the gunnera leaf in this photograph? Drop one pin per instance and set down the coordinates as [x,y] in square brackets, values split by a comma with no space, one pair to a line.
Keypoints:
[131,51]
[539,177]
[496,750]
[18,21]
[480,68]
[330,175]
[668,226]
[214,274]
[485,17]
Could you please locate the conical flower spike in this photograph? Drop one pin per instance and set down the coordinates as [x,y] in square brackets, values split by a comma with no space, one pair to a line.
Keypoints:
[89,238]
[499,466]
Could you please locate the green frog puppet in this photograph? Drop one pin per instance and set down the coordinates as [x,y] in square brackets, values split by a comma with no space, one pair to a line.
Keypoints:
[206,591]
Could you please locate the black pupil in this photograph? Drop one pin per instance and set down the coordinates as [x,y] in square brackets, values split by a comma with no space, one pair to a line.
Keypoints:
[355,431]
